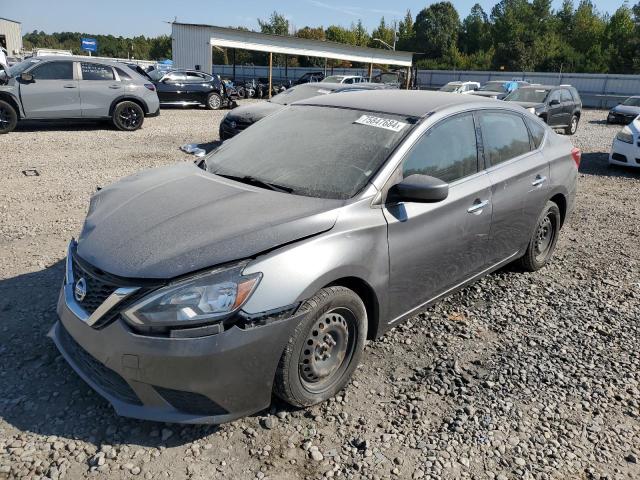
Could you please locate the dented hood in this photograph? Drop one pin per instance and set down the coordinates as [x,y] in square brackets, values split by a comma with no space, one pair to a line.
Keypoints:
[174,220]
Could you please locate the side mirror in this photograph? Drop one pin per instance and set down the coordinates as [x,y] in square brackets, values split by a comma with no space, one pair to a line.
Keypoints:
[419,188]
[554,102]
[26,77]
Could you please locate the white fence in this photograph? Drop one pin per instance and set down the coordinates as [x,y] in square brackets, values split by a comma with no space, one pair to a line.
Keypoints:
[596,90]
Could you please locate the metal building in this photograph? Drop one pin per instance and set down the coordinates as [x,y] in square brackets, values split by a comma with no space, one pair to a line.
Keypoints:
[192,43]
[11,36]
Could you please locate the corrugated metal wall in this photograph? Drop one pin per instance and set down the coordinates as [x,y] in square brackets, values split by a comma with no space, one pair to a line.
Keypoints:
[13,33]
[190,46]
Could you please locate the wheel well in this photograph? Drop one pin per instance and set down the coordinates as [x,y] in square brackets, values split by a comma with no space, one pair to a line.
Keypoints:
[577,114]
[368,297]
[128,99]
[11,101]
[560,200]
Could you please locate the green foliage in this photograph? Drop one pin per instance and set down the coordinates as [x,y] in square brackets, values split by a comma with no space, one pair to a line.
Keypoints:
[517,35]
[141,47]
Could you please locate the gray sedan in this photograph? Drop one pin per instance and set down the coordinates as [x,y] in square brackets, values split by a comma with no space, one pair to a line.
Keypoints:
[625,112]
[195,292]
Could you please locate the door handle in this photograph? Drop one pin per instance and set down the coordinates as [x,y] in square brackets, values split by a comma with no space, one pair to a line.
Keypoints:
[539,180]
[114,86]
[478,206]
[69,85]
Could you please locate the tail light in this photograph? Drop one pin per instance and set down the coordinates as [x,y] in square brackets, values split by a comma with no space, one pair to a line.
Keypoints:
[150,86]
[576,153]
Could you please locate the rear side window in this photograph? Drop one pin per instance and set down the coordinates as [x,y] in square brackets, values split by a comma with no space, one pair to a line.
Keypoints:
[555,95]
[504,136]
[537,132]
[122,74]
[95,71]
[53,71]
[448,151]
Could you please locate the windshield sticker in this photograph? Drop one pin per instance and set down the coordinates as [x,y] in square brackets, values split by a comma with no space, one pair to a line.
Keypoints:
[386,123]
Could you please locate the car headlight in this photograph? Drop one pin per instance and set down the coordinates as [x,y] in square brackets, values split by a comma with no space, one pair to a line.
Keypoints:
[197,300]
[625,135]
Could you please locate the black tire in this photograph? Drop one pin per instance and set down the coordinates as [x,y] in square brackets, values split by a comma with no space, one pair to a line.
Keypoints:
[127,116]
[313,366]
[544,239]
[573,125]
[214,101]
[8,117]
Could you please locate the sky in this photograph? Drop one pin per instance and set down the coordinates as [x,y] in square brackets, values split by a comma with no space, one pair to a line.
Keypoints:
[143,17]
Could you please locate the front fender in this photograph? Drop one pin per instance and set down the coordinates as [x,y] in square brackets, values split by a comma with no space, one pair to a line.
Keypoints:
[9,93]
[356,248]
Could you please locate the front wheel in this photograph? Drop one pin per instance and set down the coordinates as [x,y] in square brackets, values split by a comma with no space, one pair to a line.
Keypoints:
[8,117]
[573,126]
[324,349]
[544,239]
[127,116]
[214,102]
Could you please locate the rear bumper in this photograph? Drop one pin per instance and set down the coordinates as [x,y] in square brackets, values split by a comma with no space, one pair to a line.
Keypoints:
[154,114]
[212,379]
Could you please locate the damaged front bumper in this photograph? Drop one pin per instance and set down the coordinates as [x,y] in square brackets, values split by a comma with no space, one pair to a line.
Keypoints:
[209,379]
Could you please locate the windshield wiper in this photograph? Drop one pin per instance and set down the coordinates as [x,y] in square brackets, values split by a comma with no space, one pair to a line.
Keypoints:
[256,182]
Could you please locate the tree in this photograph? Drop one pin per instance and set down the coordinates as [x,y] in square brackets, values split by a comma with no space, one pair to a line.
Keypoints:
[621,38]
[406,33]
[436,29]
[360,34]
[277,24]
[475,35]
[384,33]
[312,33]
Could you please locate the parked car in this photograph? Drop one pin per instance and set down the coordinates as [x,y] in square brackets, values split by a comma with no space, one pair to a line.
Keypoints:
[264,269]
[11,61]
[625,149]
[460,87]
[625,112]
[190,88]
[310,77]
[348,79]
[243,117]
[394,78]
[559,106]
[499,88]
[54,88]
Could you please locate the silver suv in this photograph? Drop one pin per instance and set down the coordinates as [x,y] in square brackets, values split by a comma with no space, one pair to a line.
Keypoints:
[57,87]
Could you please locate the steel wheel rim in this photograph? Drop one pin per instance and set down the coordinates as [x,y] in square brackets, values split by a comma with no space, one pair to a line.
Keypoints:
[130,117]
[214,101]
[574,124]
[5,118]
[545,235]
[327,350]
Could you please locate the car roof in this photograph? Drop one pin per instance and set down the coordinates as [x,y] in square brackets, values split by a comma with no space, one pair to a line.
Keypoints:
[413,103]
[75,58]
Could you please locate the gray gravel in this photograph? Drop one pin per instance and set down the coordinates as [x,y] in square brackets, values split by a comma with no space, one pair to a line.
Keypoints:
[532,376]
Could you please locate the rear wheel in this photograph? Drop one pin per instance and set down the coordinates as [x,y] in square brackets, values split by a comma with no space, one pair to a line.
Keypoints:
[324,349]
[214,102]
[127,116]
[573,126]
[8,117]
[544,239]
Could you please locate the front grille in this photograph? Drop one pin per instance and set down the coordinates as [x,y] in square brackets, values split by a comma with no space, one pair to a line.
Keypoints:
[189,402]
[107,379]
[98,289]
[618,157]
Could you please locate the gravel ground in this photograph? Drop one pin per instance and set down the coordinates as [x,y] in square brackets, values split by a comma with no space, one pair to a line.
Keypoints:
[532,376]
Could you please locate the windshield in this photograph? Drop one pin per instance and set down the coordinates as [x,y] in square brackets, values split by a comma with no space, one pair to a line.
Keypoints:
[333,79]
[492,87]
[632,102]
[18,68]
[312,150]
[449,88]
[533,95]
[301,92]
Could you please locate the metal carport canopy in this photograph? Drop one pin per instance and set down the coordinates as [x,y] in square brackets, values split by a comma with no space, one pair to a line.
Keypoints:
[233,38]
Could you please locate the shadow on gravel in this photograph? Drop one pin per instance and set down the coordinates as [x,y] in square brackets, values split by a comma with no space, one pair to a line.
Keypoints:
[63,126]
[40,393]
[597,163]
